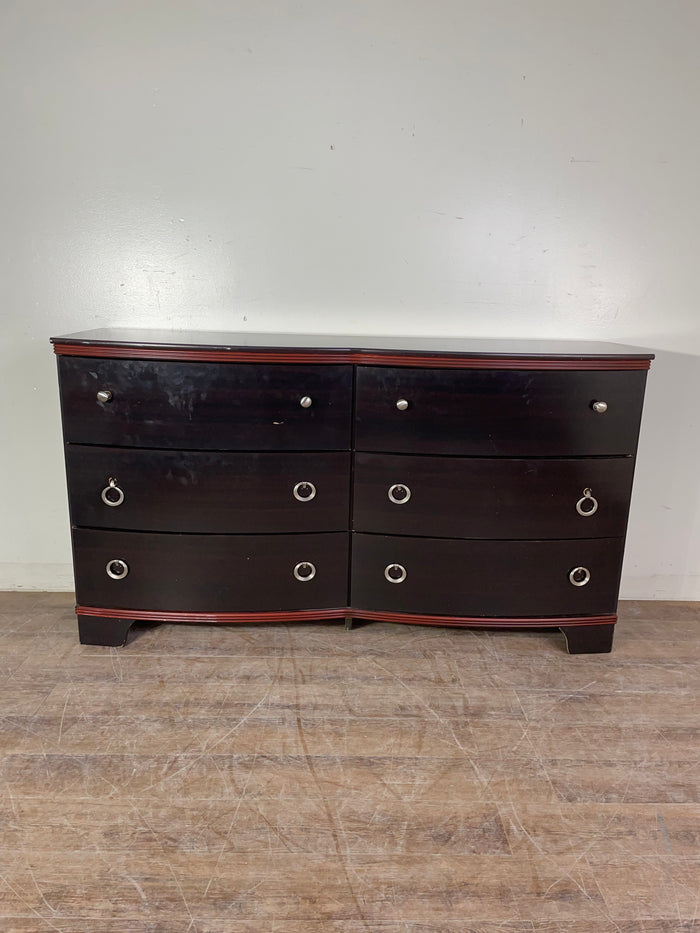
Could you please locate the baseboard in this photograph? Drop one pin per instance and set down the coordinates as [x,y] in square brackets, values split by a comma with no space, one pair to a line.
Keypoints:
[662,587]
[53,578]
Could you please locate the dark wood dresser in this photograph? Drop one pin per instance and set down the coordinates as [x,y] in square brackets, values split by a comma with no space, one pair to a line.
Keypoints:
[258,478]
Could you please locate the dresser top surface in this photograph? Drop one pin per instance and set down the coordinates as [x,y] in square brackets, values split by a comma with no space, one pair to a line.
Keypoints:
[473,347]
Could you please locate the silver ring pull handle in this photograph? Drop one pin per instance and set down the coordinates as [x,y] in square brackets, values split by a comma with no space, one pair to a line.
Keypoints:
[304,571]
[587,504]
[112,494]
[304,491]
[395,573]
[579,576]
[402,404]
[306,401]
[600,407]
[117,568]
[399,494]
[105,395]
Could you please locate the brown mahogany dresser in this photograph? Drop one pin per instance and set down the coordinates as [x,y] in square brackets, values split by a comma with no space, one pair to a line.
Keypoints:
[244,478]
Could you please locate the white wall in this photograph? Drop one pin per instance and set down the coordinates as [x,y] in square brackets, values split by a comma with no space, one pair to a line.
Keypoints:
[503,167]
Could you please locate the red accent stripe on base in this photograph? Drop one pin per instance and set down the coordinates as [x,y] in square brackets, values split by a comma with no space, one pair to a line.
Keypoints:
[311,615]
[480,621]
[224,618]
[360,357]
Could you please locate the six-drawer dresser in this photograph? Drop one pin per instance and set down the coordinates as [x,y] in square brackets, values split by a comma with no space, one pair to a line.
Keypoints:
[258,477]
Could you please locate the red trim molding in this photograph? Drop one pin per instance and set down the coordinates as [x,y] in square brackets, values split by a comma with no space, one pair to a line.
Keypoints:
[359,357]
[496,362]
[223,618]
[311,615]
[480,621]
[204,355]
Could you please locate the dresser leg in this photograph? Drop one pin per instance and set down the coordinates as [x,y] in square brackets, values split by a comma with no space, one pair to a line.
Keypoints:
[111,633]
[588,639]
[348,623]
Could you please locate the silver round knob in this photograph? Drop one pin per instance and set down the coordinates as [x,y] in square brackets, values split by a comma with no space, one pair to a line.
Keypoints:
[587,504]
[399,494]
[306,401]
[600,407]
[402,404]
[117,568]
[395,573]
[304,571]
[579,576]
[104,395]
[112,494]
[304,491]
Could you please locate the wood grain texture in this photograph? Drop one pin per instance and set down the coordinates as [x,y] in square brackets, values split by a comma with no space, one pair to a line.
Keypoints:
[205,407]
[485,578]
[395,779]
[216,492]
[210,573]
[463,497]
[497,414]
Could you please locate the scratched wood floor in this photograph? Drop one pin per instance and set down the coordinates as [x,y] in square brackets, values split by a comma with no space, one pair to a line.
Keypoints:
[304,779]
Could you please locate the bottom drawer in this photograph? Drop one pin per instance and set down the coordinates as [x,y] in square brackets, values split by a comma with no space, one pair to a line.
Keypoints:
[210,573]
[485,578]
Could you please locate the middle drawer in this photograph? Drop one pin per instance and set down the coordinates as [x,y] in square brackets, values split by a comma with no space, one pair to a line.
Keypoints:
[208,491]
[461,497]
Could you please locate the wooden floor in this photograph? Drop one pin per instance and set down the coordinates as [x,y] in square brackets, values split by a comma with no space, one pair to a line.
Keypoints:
[304,779]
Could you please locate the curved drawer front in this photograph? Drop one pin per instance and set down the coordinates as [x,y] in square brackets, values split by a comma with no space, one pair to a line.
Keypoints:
[491,498]
[205,406]
[210,573]
[498,412]
[203,491]
[485,578]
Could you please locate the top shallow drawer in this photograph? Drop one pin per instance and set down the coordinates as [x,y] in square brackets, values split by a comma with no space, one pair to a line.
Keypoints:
[498,412]
[205,406]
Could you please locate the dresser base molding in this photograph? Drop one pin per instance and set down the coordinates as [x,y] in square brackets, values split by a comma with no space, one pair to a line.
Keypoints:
[110,627]
[415,618]
[583,635]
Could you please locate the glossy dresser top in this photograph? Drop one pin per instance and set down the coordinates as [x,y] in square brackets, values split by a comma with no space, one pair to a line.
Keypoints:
[410,344]
[377,349]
